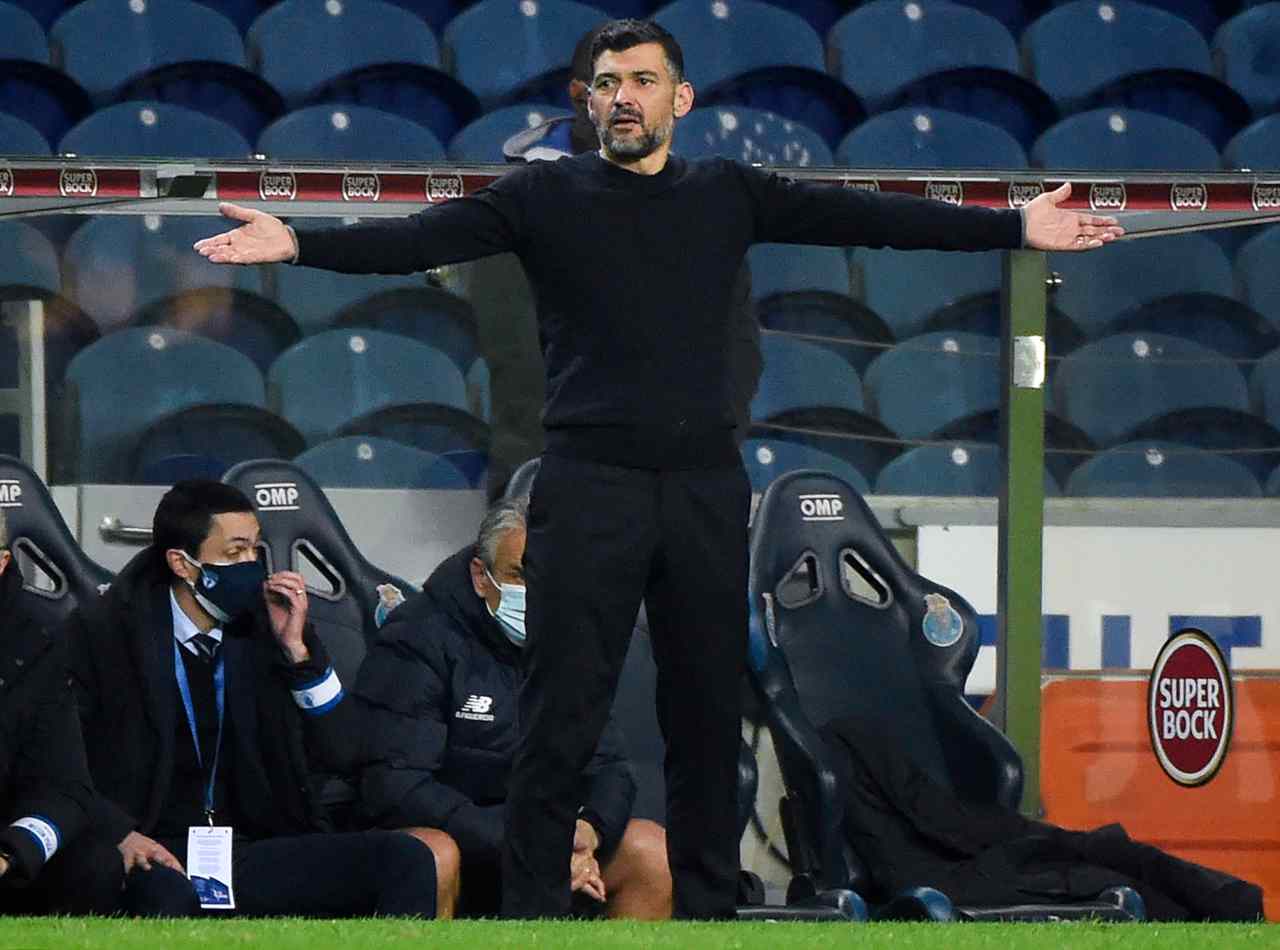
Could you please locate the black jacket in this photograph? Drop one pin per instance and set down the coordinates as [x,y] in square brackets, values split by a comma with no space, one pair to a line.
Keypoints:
[440,690]
[122,666]
[44,781]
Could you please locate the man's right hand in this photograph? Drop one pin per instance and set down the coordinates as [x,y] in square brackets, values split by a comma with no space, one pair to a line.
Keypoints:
[139,851]
[262,239]
[584,876]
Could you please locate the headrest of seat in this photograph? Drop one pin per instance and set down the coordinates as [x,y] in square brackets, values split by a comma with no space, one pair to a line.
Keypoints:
[39,536]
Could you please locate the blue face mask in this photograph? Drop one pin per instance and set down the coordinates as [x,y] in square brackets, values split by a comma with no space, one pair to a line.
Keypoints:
[510,612]
[228,591]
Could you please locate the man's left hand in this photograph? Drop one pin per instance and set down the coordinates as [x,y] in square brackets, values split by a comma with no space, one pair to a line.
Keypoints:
[286,595]
[1051,228]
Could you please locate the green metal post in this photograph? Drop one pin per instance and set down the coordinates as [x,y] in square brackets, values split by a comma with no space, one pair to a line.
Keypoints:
[1021,531]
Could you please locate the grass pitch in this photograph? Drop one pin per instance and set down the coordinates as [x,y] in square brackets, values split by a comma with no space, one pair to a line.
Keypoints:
[97,934]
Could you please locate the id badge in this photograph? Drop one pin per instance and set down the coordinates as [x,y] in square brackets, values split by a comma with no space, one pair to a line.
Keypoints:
[209,866]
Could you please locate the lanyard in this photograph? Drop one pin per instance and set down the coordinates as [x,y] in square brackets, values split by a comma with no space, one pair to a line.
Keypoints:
[219,691]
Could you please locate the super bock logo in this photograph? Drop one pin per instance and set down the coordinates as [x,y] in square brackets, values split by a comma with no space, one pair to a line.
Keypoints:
[78,182]
[1105,196]
[1021,193]
[277,186]
[1190,708]
[361,187]
[443,187]
[952,192]
[1192,197]
[1266,196]
[6,183]
[862,184]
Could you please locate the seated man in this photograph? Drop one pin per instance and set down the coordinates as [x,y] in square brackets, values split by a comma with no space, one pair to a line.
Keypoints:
[48,863]
[200,685]
[440,690]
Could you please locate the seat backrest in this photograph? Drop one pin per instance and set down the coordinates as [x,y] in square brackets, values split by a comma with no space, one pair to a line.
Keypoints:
[925,137]
[1162,470]
[1257,274]
[482,140]
[42,96]
[335,376]
[104,43]
[348,132]
[961,468]
[356,461]
[1123,138]
[1256,146]
[1264,388]
[892,286]
[784,268]
[221,435]
[302,532]
[800,374]
[21,36]
[297,45]
[39,537]
[881,46]
[21,138]
[1246,49]
[31,263]
[154,128]
[749,135]
[431,315]
[770,459]
[930,380]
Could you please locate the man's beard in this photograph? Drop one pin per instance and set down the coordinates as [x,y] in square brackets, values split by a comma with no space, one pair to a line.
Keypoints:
[634,148]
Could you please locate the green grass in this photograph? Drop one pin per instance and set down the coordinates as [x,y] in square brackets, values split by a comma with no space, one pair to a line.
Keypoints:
[95,934]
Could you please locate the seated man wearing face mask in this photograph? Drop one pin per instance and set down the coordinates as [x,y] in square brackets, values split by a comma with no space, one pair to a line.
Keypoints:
[201,687]
[439,690]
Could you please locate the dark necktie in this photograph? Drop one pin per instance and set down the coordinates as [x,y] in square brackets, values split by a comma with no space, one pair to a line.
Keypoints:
[206,646]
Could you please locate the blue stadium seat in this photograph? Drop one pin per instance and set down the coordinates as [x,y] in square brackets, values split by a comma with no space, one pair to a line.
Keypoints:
[244,321]
[961,468]
[1014,14]
[863,441]
[801,375]
[21,36]
[1098,287]
[299,45]
[928,381]
[108,410]
[1264,388]
[437,13]
[767,459]
[1065,444]
[204,441]
[102,44]
[1246,50]
[1223,324]
[1111,386]
[231,93]
[1123,139]
[1258,276]
[1162,470]
[44,11]
[31,263]
[114,267]
[786,268]
[1137,57]
[329,379]
[981,313]
[505,51]
[21,138]
[751,136]
[834,321]
[432,427]
[894,283]
[482,140]
[45,98]
[929,138]
[1251,441]
[154,129]
[479,391]
[472,463]
[357,461]
[348,133]
[431,315]
[67,331]
[1204,15]
[1256,146]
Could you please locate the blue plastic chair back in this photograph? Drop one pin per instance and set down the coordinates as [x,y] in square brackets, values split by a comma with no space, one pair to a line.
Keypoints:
[482,140]
[925,382]
[961,468]
[1123,139]
[929,138]
[801,375]
[767,459]
[154,129]
[1264,388]
[1246,50]
[789,268]
[359,461]
[335,376]
[749,135]
[20,138]
[348,133]
[21,36]
[907,287]
[31,263]
[46,98]
[1162,470]
[1109,387]
[1257,273]
[1256,147]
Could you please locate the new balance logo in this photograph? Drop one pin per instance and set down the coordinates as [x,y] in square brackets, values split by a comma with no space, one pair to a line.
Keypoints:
[476,708]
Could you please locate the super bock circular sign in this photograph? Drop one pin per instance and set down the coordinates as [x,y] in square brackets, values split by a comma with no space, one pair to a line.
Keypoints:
[1189,708]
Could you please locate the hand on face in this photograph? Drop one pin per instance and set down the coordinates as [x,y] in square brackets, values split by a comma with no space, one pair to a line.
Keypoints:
[286,596]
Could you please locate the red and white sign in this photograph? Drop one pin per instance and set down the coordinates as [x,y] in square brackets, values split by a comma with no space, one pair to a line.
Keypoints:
[1108,196]
[444,187]
[1021,193]
[361,187]
[1189,197]
[277,186]
[1266,196]
[951,192]
[1189,705]
[6,183]
[78,182]
[862,184]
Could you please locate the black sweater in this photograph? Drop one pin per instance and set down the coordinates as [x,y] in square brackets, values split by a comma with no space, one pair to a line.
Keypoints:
[633,276]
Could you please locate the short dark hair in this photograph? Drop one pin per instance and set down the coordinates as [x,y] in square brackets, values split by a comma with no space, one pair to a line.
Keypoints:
[185,513]
[619,35]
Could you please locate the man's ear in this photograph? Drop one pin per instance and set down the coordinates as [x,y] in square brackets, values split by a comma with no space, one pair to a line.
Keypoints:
[479,582]
[179,565]
[684,100]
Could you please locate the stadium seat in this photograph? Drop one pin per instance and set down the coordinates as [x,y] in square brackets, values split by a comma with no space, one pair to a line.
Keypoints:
[472,463]
[242,99]
[982,313]
[433,316]
[114,267]
[21,138]
[836,322]
[930,380]
[801,375]
[1246,50]
[505,51]
[479,391]
[893,283]
[1065,444]
[1258,276]
[1228,326]
[1138,57]
[860,439]
[432,427]
[102,44]
[367,462]
[482,140]
[1241,436]
[67,331]
[1204,15]
[1111,386]
[1097,288]
[106,411]
[768,459]
[244,321]
[430,97]
[1162,470]
[240,12]
[329,379]
[21,36]
[961,468]
[348,133]
[1256,147]
[204,441]
[1123,139]
[154,129]
[31,263]
[299,45]
[786,268]
[44,11]
[841,627]
[1264,388]
[45,98]
[750,136]
[929,138]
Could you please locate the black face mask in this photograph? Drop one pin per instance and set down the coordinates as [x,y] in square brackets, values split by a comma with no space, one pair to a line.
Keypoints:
[228,591]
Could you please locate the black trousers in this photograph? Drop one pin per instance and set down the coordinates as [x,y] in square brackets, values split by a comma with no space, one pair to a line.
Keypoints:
[82,878]
[600,539]
[352,874]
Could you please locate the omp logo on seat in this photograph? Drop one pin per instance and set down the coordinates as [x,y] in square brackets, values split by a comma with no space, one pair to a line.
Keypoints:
[10,493]
[276,496]
[821,508]
[476,708]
